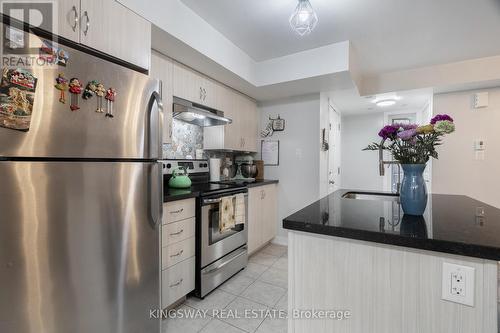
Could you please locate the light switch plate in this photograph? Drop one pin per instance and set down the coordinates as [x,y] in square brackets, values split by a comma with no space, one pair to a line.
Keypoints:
[480,100]
[458,284]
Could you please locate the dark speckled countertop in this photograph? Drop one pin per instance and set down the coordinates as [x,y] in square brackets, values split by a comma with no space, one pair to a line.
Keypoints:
[453,224]
[172,194]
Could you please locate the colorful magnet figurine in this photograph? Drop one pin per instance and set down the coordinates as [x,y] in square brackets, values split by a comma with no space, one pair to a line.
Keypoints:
[62,86]
[90,89]
[110,97]
[75,88]
[100,92]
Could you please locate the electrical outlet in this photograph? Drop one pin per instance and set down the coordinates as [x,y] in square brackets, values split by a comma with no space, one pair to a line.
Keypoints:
[458,284]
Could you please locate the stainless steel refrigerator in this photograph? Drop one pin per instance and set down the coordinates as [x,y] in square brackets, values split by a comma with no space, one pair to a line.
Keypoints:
[80,205]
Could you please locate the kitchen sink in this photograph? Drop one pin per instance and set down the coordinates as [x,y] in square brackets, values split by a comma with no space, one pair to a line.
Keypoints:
[371,196]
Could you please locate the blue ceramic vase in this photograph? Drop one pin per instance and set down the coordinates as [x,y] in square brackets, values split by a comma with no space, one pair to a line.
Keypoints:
[413,193]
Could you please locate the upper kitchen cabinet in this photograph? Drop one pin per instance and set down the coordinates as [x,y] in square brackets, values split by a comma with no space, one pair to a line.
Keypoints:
[108,26]
[241,134]
[162,69]
[193,86]
[69,19]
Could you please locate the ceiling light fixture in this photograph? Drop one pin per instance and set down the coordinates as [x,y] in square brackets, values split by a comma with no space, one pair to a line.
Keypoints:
[386,102]
[304,19]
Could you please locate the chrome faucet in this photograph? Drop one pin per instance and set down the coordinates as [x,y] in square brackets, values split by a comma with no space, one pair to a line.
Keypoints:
[382,163]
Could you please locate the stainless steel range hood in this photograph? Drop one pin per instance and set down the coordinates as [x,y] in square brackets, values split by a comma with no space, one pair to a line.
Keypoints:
[198,114]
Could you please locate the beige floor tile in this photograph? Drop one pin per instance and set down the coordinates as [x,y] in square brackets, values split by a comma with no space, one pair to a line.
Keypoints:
[246,322]
[275,276]
[264,293]
[262,258]
[218,326]
[218,299]
[275,250]
[237,284]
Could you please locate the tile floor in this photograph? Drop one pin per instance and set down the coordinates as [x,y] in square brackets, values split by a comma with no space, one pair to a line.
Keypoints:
[260,286]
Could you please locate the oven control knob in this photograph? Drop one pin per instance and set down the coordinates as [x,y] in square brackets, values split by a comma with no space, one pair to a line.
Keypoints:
[201,165]
[169,165]
[205,165]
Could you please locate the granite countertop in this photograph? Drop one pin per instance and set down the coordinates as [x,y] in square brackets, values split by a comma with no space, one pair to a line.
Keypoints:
[172,194]
[453,224]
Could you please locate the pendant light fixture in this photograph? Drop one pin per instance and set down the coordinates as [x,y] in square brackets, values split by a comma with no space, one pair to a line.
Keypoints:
[304,18]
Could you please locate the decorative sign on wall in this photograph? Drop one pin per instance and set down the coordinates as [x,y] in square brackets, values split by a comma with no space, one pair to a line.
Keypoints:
[273,125]
[270,152]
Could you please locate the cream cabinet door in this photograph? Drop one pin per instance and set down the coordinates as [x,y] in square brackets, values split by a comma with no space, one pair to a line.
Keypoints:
[193,86]
[249,131]
[110,27]
[68,25]
[129,36]
[254,218]
[95,28]
[269,212]
[162,68]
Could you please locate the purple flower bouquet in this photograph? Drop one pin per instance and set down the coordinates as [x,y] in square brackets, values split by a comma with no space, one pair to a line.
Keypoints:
[413,144]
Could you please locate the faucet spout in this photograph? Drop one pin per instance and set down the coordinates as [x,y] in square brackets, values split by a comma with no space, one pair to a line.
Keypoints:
[381,168]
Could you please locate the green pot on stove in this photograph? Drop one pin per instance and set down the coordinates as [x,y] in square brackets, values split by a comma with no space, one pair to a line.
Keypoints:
[180,178]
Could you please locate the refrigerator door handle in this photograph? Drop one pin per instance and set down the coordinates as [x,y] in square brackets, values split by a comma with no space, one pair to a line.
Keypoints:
[155,127]
[156,194]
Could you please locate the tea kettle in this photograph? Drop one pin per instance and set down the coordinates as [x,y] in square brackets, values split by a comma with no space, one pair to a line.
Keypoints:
[180,178]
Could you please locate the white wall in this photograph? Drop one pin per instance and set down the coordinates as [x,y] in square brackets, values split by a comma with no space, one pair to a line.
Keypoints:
[298,170]
[359,169]
[457,171]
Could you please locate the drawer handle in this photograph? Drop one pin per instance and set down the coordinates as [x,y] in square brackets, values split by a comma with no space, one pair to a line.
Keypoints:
[177,254]
[177,211]
[176,284]
[177,233]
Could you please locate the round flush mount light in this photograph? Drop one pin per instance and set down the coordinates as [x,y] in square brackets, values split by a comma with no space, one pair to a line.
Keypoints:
[304,19]
[385,102]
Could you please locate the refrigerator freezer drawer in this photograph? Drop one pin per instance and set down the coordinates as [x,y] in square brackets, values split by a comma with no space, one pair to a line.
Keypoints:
[78,248]
[178,210]
[177,281]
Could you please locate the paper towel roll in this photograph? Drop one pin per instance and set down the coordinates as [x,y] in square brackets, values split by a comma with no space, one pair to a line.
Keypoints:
[214,169]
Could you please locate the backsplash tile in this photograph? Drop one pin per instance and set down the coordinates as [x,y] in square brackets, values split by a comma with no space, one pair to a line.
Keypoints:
[186,138]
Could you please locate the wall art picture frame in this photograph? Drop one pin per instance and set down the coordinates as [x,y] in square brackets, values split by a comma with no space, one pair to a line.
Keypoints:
[270,152]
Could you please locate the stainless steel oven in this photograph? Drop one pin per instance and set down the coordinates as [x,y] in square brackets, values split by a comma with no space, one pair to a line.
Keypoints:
[222,254]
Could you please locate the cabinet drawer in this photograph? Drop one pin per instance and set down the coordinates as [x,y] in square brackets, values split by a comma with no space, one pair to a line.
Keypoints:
[177,281]
[178,210]
[177,231]
[175,253]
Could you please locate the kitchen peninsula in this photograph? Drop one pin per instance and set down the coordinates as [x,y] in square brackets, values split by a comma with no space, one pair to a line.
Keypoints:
[358,252]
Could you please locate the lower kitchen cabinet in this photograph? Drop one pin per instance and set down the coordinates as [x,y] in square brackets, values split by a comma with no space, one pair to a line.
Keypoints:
[177,250]
[262,215]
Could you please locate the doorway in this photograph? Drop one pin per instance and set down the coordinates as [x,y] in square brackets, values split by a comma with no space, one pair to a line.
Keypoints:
[334,149]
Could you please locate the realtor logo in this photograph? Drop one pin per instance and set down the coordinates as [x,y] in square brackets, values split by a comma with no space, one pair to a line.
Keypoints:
[18,45]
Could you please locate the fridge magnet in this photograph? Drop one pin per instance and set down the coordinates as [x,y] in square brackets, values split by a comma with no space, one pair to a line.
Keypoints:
[17,95]
[90,89]
[62,86]
[110,98]
[100,92]
[52,54]
[75,89]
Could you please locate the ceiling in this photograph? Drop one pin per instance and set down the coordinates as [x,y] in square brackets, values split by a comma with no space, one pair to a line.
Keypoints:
[387,35]
[349,102]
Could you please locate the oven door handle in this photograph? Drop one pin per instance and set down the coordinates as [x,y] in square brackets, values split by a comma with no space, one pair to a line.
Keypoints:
[243,251]
[217,200]
[211,201]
